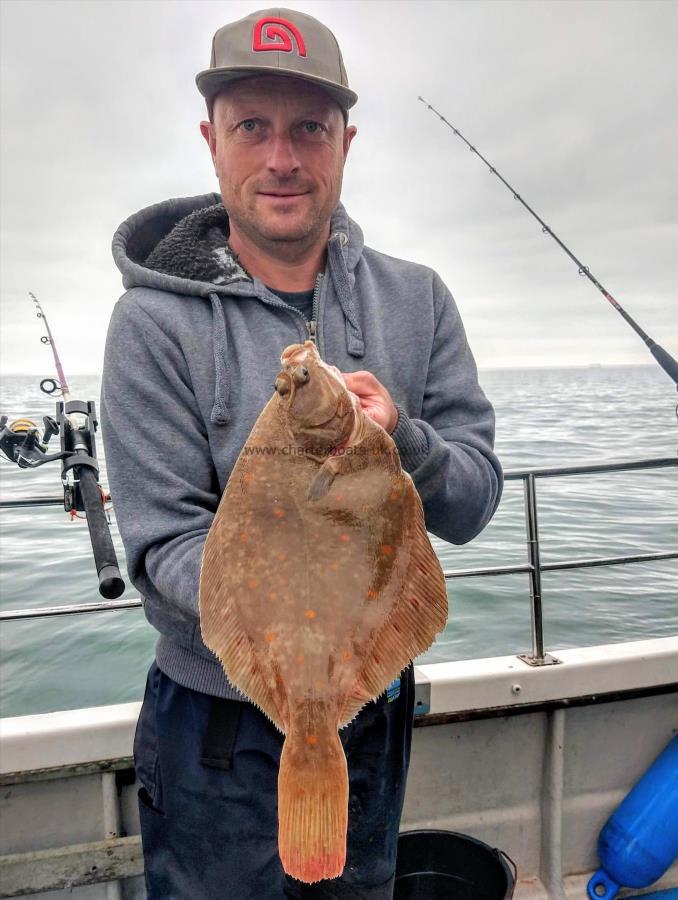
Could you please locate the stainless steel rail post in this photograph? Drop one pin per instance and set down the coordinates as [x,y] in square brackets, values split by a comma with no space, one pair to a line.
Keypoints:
[538,658]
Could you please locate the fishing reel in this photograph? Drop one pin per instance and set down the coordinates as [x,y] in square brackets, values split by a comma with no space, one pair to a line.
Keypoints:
[20,441]
[22,444]
[75,423]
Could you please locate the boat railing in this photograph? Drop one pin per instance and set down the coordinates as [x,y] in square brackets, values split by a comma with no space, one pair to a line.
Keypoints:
[533,568]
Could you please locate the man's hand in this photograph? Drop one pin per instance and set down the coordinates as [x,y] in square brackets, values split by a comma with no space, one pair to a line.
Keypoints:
[374,398]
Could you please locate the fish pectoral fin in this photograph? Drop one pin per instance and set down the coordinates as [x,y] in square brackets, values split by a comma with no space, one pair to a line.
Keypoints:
[322,481]
[350,459]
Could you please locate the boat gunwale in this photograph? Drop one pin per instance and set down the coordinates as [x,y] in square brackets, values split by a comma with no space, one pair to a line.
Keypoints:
[101,736]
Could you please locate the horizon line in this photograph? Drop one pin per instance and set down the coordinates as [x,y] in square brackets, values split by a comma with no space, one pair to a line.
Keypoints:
[646,365]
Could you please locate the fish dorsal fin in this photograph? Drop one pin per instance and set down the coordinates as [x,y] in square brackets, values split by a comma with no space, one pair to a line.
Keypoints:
[418,615]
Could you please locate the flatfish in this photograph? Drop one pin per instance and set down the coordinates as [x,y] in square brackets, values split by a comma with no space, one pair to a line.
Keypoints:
[318,585]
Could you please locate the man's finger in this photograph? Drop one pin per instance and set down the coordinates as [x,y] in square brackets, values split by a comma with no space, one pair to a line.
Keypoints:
[363,378]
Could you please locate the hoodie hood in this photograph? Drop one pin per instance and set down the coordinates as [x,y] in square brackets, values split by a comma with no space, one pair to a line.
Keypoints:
[181,245]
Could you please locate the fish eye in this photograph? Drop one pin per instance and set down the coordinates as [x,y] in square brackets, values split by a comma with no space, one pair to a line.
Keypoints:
[300,375]
[282,386]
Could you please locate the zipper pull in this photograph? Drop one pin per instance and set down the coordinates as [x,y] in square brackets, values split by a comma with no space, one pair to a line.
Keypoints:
[311,327]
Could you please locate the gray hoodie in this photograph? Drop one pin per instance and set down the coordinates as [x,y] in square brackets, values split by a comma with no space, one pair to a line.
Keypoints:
[192,351]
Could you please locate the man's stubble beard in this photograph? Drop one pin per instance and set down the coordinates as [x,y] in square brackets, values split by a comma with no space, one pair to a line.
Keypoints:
[287,245]
[276,241]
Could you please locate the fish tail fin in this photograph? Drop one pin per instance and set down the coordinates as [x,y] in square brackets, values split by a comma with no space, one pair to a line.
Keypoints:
[312,804]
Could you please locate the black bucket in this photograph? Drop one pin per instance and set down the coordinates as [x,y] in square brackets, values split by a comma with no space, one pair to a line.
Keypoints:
[445,865]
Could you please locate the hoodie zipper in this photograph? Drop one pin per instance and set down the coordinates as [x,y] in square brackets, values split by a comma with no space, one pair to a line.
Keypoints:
[312,326]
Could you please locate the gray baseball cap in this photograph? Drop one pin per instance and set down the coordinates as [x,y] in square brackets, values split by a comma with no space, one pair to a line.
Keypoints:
[277,42]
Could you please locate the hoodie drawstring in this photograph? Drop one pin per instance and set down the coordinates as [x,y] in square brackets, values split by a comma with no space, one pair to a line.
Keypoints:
[220,415]
[355,343]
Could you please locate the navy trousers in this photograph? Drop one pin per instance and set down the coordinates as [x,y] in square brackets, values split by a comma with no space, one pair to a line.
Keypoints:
[208,801]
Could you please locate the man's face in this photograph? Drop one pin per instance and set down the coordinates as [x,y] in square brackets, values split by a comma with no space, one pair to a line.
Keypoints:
[274,135]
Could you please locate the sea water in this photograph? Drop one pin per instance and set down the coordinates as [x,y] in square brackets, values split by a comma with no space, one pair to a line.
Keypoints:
[554,417]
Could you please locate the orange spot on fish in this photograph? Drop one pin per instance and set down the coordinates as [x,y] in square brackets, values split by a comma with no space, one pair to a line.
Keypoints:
[346,656]
[300,657]
[338,497]
[269,637]
[279,512]
[386,549]
[394,495]
[243,538]
[334,566]
[252,583]
[247,478]
[371,595]
[310,614]
[282,557]
[311,739]
[272,595]
[344,537]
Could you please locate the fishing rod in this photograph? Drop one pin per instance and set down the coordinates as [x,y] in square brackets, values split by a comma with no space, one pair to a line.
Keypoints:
[75,423]
[665,360]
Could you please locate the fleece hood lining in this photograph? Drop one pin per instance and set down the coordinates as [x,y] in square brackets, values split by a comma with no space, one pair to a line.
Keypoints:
[197,249]
[182,246]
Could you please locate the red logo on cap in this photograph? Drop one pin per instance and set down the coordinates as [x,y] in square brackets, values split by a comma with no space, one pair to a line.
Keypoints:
[277,38]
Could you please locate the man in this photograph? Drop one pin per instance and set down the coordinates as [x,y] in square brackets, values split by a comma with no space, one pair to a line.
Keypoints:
[217,286]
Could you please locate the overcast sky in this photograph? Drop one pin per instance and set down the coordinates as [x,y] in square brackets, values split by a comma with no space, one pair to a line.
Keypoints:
[575,103]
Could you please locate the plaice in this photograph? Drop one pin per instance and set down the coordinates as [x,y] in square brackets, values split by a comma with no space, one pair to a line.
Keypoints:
[318,585]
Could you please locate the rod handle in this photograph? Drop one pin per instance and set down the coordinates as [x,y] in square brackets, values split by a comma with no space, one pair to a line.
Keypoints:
[111,584]
[666,361]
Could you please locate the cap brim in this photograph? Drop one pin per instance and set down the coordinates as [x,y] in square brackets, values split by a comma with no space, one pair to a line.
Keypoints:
[211,81]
